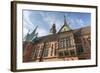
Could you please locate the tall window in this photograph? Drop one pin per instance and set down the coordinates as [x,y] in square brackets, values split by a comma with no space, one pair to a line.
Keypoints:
[36,52]
[79,49]
[68,41]
[65,42]
[66,53]
[55,52]
[52,50]
[40,53]
[33,53]
[72,52]
[45,53]
[61,43]
[55,47]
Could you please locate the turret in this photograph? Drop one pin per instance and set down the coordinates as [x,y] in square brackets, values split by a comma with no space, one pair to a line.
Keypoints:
[53,29]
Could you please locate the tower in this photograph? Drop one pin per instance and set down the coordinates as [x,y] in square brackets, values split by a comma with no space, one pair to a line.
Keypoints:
[53,29]
[32,36]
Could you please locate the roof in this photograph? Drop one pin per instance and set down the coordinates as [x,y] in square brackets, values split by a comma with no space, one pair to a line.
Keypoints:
[54,37]
[65,26]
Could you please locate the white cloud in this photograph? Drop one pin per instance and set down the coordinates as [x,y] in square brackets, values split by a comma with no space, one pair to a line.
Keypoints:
[52,19]
[80,21]
[76,23]
[26,19]
[41,32]
[27,24]
[25,31]
[48,18]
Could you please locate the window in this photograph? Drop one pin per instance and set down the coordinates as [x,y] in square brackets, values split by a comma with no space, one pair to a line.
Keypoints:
[72,52]
[33,54]
[68,40]
[45,53]
[56,45]
[40,53]
[66,53]
[79,50]
[65,42]
[60,54]
[52,50]
[55,52]
[61,43]
[36,52]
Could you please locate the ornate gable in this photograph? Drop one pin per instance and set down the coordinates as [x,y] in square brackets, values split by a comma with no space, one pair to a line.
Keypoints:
[65,27]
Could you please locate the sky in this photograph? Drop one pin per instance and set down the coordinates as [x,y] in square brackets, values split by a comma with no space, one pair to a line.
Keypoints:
[45,19]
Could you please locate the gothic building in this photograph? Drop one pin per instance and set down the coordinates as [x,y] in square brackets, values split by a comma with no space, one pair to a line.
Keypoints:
[64,45]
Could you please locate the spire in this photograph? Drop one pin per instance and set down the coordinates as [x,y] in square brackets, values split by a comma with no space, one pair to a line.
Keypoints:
[34,30]
[65,20]
[32,36]
[65,26]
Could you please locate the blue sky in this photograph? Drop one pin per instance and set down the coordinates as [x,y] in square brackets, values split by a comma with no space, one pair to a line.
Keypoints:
[45,19]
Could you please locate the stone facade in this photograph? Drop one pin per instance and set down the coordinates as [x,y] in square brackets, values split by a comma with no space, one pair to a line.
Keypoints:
[66,45]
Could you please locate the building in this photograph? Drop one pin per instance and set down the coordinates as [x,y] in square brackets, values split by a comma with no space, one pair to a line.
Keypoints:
[66,44]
